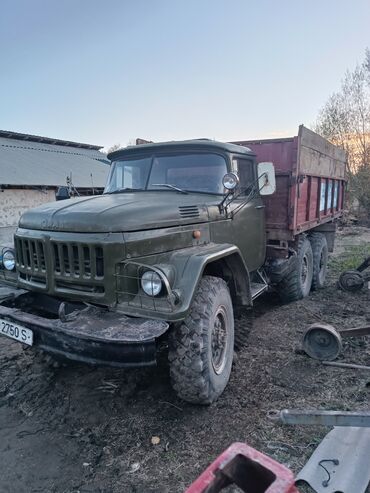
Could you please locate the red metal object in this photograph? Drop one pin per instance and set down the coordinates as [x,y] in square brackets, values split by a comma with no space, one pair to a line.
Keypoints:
[310,182]
[245,467]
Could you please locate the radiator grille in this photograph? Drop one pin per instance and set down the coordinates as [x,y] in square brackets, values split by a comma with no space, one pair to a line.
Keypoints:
[30,254]
[75,263]
[77,260]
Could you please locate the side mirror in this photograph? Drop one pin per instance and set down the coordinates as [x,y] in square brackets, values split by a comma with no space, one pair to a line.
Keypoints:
[266,178]
[62,193]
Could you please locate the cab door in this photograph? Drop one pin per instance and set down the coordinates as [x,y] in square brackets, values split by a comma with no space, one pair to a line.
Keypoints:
[248,224]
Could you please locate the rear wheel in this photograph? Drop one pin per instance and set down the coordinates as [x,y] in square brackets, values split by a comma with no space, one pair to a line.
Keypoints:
[201,349]
[297,284]
[320,259]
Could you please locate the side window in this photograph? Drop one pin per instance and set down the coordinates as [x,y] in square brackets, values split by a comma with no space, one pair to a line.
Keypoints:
[245,170]
[322,195]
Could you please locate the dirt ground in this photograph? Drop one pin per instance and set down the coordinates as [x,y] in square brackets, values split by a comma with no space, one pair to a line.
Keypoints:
[82,429]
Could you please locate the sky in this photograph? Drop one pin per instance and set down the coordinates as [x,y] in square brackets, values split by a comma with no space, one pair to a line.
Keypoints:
[106,72]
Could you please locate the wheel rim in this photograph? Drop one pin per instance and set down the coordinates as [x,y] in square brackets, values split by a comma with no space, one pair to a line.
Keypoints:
[219,340]
[322,265]
[351,280]
[304,271]
[321,262]
[322,342]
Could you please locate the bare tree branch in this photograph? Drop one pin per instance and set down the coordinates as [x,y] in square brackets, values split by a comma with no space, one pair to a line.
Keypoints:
[345,121]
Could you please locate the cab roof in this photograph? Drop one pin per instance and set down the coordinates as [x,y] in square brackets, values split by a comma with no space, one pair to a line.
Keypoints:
[194,144]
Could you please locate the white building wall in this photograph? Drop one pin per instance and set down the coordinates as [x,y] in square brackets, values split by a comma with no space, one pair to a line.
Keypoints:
[13,202]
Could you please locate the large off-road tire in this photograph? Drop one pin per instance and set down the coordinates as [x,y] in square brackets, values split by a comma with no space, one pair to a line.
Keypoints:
[243,326]
[297,284]
[201,349]
[320,259]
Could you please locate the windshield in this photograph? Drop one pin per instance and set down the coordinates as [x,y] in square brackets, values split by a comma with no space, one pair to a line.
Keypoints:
[201,172]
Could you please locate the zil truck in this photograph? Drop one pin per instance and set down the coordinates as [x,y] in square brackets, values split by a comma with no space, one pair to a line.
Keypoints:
[185,234]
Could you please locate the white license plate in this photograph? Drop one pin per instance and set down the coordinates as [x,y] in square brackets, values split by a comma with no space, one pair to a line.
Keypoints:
[16,332]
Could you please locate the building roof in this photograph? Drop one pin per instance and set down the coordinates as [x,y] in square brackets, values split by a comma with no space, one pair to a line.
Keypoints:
[29,160]
[46,140]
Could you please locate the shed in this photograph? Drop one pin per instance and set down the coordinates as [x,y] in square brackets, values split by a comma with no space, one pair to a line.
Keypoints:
[33,167]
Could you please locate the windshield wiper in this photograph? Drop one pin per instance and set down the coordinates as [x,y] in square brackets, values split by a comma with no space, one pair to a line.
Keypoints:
[119,190]
[169,186]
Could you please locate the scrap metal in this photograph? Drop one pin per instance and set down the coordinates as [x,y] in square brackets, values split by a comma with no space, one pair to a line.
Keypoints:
[354,280]
[321,417]
[248,469]
[324,342]
[346,365]
[341,463]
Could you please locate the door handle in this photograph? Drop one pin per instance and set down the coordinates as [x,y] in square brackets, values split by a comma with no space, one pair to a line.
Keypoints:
[260,206]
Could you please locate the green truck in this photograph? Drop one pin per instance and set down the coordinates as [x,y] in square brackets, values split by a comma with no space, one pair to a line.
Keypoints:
[185,234]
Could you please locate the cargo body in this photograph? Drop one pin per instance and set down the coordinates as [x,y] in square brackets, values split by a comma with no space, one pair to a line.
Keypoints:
[185,234]
[310,183]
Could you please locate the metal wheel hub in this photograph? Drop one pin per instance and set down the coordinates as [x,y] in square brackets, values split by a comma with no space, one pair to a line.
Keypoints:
[321,341]
[219,340]
[304,270]
[321,263]
[351,280]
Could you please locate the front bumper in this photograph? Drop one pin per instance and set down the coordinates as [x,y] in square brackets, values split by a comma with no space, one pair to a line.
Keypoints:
[91,335]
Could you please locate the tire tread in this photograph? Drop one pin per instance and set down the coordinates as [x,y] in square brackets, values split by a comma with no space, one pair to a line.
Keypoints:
[289,288]
[318,241]
[188,346]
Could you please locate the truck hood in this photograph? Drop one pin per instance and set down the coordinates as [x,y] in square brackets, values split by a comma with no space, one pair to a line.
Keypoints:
[132,211]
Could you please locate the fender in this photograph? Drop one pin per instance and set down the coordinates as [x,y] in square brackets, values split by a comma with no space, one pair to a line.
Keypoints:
[190,264]
[220,260]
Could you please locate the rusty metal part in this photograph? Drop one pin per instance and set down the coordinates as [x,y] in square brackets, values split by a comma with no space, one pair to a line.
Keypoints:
[340,463]
[346,365]
[322,341]
[248,469]
[355,331]
[365,264]
[320,417]
[354,280]
[351,280]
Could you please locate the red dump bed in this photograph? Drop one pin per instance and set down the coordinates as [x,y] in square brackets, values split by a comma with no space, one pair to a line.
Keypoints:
[310,182]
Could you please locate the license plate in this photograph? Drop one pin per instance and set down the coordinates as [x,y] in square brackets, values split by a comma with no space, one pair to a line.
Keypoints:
[16,332]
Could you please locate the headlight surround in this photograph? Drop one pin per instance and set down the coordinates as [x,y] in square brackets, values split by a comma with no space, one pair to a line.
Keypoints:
[8,260]
[151,283]
[230,181]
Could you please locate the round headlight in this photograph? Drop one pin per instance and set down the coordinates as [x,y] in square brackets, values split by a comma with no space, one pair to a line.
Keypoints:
[230,181]
[151,283]
[9,260]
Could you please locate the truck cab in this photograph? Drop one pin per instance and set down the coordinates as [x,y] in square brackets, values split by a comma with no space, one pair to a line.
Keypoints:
[164,204]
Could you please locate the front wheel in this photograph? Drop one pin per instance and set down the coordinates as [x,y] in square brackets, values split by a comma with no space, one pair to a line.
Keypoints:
[201,349]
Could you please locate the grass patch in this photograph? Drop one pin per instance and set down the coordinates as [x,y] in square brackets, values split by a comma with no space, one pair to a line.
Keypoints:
[351,258]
